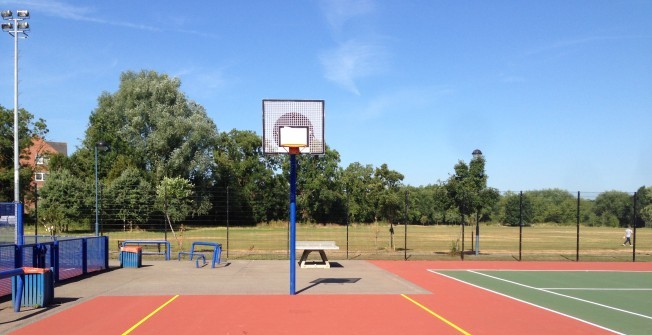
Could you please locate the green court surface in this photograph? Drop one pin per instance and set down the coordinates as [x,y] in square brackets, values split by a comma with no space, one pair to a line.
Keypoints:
[617,301]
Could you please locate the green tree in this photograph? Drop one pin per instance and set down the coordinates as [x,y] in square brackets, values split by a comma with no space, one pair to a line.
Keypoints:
[66,200]
[28,129]
[256,192]
[517,210]
[614,208]
[357,183]
[151,124]
[320,198]
[175,198]
[644,206]
[130,197]
[386,193]
[467,188]
[553,205]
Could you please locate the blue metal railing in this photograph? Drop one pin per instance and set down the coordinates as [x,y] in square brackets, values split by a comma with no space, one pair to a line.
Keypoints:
[68,257]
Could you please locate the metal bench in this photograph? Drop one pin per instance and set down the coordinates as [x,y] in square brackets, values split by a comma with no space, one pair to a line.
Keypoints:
[217,251]
[320,246]
[194,254]
[158,243]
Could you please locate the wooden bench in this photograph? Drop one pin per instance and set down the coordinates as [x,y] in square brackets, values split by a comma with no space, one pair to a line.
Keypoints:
[157,243]
[320,246]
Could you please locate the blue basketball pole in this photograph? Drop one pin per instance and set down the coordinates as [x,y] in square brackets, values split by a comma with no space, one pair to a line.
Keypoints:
[293,223]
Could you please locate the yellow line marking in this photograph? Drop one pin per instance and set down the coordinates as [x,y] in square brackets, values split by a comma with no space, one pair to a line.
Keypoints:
[150,315]
[436,315]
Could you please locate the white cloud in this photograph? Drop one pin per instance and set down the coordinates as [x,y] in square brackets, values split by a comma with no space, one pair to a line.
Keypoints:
[89,14]
[339,12]
[408,101]
[353,60]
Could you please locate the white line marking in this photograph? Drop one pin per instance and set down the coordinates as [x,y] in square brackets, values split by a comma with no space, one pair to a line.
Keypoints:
[526,302]
[594,289]
[563,295]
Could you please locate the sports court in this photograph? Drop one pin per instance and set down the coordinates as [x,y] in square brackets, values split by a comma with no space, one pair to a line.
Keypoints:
[353,297]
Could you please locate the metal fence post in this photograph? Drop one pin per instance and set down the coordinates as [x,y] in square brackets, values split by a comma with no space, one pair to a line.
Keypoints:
[634,237]
[520,226]
[577,248]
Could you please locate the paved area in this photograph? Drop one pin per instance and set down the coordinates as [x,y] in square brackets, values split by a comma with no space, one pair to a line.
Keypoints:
[239,277]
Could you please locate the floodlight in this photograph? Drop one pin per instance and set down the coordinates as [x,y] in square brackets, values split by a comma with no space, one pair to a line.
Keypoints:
[7,26]
[6,14]
[102,146]
[477,153]
[22,13]
[22,25]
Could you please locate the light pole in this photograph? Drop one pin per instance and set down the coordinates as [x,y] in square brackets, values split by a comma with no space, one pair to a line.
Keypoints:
[104,147]
[14,27]
[477,154]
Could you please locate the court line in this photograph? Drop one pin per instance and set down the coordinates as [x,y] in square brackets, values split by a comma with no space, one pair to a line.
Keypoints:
[594,289]
[565,296]
[149,315]
[436,315]
[526,302]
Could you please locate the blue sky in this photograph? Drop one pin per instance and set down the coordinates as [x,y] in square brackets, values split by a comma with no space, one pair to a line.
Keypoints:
[556,94]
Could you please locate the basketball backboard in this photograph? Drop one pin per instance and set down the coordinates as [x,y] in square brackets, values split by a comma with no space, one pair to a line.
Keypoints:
[293,124]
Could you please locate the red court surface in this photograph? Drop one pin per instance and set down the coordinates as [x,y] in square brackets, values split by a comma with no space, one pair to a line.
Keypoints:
[451,308]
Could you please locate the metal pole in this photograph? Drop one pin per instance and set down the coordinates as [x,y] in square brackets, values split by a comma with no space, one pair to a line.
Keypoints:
[227,222]
[477,233]
[347,224]
[520,226]
[16,147]
[406,224]
[462,251]
[97,212]
[293,230]
[35,213]
[577,251]
[634,224]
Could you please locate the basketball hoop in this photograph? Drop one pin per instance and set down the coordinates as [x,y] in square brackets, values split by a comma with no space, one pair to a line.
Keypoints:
[293,123]
[293,127]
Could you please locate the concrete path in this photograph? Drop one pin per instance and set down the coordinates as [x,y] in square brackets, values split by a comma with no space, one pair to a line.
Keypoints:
[239,277]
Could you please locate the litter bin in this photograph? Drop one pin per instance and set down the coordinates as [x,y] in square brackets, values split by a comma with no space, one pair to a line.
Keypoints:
[38,287]
[131,257]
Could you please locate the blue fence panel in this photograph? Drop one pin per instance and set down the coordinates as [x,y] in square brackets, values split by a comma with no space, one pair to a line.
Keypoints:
[7,262]
[71,262]
[70,257]
[96,254]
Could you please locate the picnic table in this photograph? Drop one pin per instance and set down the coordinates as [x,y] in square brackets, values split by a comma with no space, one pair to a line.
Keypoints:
[319,246]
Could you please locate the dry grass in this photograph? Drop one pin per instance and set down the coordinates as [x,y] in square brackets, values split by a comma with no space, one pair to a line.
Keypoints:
[539,242]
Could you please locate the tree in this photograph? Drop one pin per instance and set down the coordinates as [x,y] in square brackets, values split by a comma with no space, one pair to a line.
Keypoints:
[175,198]
[553,205]
[614,208]
[151,124]
[28,128]
[357,183]
[387,198]
[256,192]
[130,198]
[517,210]
[320,197]
[467,187]
[65,199]
[644,206]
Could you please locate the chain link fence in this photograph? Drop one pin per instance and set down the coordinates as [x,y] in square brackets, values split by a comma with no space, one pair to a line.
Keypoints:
[483,236]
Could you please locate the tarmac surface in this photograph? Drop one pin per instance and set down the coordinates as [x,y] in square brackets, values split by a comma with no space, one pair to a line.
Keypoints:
[237,277]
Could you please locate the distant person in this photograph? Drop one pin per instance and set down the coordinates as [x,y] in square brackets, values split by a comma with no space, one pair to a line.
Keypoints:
[628,236]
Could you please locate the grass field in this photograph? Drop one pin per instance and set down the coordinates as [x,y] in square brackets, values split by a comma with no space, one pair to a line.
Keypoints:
[539,242]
